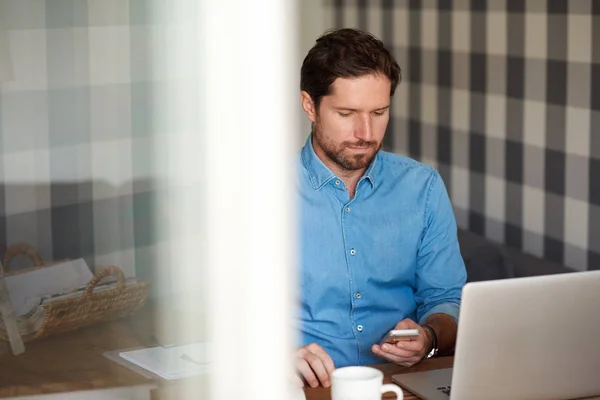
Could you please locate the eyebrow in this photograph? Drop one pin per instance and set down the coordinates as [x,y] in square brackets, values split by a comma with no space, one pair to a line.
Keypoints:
[354,109]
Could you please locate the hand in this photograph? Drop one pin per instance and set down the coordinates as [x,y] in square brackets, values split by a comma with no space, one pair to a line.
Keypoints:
[406,353]
[314,365]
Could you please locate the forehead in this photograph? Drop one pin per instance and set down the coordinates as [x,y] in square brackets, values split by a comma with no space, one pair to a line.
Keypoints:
[367,91]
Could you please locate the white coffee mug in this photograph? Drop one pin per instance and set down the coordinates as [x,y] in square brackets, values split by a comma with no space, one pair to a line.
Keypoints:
[360,383]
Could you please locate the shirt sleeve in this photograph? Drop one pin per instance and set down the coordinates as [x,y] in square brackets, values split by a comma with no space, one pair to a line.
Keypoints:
[441,273]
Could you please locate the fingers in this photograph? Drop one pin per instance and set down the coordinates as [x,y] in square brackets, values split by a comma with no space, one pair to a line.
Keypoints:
[406,362]
[298,381]
[412,345]
[397,356]
[322,354]
[406,352]
[407,323]
[389,349]
[306,371]
[315,365]
[319,369]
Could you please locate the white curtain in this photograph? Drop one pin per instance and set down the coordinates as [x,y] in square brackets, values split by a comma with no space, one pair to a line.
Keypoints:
[5,62]
[251,96]
[238,240]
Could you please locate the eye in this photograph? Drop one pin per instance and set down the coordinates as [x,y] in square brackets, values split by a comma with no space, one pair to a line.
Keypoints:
[344,114]
[379,113]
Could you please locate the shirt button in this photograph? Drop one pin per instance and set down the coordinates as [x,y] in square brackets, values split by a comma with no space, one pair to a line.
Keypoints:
[353,252]
[337,182]
[347,209]
[359,328]
[357,295]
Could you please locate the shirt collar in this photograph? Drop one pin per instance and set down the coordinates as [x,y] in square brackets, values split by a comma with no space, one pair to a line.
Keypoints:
[320,174]
[372,170]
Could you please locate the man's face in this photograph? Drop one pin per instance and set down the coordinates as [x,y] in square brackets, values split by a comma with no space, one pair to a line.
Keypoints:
[350,122]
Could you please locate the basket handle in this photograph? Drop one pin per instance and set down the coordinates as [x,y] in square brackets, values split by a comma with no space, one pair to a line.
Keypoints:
[21,248]
[103,273]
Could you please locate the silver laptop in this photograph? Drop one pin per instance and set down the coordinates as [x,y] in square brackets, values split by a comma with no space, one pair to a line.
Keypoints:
[522,338]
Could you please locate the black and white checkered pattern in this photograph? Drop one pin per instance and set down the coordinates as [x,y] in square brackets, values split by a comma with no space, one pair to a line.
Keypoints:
[499,96]
[80,128]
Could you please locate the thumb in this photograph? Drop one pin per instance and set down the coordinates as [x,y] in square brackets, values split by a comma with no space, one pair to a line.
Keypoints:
[406,324]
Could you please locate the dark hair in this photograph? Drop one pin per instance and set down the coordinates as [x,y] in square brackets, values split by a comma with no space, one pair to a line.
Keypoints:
[345,53]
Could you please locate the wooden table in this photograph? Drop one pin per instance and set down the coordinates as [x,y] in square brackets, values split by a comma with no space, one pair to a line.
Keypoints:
[74,361]
[321,393]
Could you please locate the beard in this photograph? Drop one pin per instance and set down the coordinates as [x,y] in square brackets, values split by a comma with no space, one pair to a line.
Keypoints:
[341,153]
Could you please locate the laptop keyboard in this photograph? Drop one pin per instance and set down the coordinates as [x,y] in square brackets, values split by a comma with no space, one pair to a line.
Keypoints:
[444,389]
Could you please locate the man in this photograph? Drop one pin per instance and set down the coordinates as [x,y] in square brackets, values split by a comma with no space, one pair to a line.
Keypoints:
[378,237]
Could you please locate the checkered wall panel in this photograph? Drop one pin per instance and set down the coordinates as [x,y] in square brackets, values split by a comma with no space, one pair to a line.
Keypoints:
[79,132]
[499,96]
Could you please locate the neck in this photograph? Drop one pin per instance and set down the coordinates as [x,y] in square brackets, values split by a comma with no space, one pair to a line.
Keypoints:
[349,177]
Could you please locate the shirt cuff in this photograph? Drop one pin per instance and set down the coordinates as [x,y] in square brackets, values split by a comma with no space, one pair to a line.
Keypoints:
[451,309]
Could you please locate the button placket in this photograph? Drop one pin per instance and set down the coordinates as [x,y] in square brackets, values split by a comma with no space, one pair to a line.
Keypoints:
[355,295]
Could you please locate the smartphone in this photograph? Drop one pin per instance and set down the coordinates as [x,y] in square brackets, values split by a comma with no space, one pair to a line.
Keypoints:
[397,335]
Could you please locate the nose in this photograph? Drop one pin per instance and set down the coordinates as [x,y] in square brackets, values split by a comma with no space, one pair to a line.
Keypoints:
[363,129]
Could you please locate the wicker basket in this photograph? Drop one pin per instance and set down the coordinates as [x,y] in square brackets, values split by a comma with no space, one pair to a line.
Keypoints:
[73,313]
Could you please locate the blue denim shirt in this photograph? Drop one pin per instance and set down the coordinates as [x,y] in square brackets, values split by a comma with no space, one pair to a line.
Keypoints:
[367,263]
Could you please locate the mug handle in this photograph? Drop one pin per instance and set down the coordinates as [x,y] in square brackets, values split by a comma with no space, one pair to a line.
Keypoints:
[390,387]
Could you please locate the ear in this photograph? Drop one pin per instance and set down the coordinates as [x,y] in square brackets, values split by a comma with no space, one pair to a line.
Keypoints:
[309,106]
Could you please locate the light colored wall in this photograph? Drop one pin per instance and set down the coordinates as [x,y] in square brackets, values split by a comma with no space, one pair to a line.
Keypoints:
[96,108]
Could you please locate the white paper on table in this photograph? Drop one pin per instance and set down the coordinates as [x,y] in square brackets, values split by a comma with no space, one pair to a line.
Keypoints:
[172,362]
[28,288]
